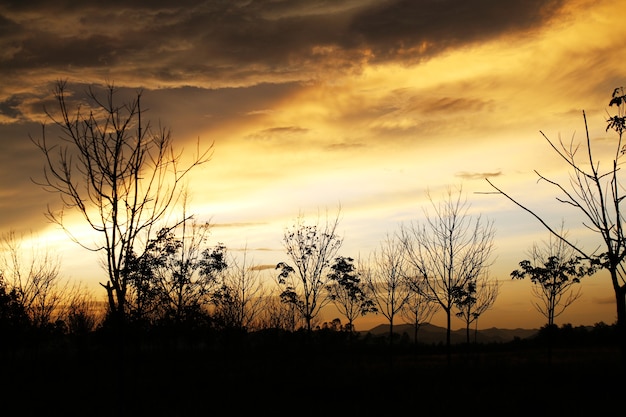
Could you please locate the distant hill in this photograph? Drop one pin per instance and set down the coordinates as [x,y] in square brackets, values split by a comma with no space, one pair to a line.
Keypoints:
[430,334]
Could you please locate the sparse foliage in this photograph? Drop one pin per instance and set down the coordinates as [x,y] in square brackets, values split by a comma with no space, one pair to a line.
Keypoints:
[554,270]
[311,248]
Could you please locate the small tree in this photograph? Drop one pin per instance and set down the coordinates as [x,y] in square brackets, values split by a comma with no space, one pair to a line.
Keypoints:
[419,307]
[311,247]
[471,301]
[553,269]
[384,274]
[241,294]
[347,291]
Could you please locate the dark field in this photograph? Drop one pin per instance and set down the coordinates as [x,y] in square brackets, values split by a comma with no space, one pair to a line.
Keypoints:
[299,376]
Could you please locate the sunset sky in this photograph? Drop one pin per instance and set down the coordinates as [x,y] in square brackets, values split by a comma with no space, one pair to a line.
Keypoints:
[315,104]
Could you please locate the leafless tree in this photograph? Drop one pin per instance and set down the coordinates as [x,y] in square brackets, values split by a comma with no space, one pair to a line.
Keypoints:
[117,172]
[450,249]
[420,307]
[384,275]
[241,295]
[278,315]
[33,272]
[311,248]
[597,194]
[82,313]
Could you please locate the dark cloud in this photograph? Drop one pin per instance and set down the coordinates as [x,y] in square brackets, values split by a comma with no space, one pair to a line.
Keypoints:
[22,202]
[263,267]
[406,29]
[230,43]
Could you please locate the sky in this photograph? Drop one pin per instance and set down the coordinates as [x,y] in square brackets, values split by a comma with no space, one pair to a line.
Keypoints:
[312,106]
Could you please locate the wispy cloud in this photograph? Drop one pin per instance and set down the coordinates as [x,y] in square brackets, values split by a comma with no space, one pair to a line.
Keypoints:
[477,175]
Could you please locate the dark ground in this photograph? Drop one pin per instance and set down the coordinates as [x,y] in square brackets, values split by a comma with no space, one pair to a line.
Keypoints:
[316,378]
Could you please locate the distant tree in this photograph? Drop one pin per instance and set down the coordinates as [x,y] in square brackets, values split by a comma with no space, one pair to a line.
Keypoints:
[117,172]
[419,307]
[33,273]
[554,269]
[384,274]
[277,315]
[347,292]
[82,313]
[597,195]
[450,250]
[240,296]
[472,300]
[14,320]
[311,248]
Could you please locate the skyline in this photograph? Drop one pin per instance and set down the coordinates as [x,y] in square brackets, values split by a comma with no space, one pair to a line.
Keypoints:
[366,105]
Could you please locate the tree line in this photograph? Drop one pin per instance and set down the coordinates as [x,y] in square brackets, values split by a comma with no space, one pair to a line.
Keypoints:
[125,177]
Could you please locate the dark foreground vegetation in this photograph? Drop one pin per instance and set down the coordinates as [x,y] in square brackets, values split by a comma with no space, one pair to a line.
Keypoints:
[202,372]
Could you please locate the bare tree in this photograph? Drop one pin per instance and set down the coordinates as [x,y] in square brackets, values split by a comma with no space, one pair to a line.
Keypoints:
[476,297]
[241,295]
[597,195]
[419,307]
[116,171]
[82,313]
[348,292]
[278,315]
[312,248]
[450,249]
[384,274]
[34,274]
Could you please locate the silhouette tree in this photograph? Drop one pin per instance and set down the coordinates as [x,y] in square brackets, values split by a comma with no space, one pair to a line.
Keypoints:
[384,274]
[240,296]
[82,313]
[14,320]
[120,174]
[472,300]
[554,269]
[311,247]
[419,307]
[347,292]
[277,315]
[33,273]
[450,250]
[597,195]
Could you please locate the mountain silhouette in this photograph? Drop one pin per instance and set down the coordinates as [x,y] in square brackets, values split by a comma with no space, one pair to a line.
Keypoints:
[431,334]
